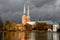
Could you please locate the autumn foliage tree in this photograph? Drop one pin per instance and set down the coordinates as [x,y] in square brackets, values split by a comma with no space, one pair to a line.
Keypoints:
[28,27]
[1,24]
[9,25]
[40,26]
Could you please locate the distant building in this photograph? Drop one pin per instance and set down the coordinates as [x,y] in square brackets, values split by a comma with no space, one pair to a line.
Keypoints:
[52,26]
[32,22]
[55,26]
[26,18]
[47,22]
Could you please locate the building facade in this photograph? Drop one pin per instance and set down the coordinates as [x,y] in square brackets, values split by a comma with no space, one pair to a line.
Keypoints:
[26,18]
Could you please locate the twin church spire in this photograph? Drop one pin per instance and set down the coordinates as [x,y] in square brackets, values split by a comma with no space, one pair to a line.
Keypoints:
[26,18]
[26,11]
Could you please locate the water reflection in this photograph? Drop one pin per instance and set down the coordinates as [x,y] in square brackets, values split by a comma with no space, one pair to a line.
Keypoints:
[32,36]
[49,36]
[55,36]
[1,36]
[41,36]
[29,36]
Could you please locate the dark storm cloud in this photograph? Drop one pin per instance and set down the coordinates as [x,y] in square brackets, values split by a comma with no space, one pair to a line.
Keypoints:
[39,3]
[47,9]
[43,9]
[10,8]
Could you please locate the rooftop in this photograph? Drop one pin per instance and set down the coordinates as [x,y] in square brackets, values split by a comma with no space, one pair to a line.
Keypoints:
[48,22]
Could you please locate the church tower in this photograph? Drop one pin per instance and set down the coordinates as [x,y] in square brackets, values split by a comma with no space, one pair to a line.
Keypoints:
[24,17]
[28,16]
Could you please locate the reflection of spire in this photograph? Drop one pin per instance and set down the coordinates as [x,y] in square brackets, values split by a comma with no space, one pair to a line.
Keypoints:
[28,11]
[24,10]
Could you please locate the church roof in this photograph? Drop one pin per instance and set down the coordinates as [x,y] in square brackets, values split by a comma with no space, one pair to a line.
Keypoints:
[48,22]
[32,22]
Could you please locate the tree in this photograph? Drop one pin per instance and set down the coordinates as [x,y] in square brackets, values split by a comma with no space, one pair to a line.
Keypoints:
[9,25]
[40,26]
[1,24]
[28,27]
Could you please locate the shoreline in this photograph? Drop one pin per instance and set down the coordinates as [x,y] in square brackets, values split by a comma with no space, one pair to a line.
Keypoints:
[30,31]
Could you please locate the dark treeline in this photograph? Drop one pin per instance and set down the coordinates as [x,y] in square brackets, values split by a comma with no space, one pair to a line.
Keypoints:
[1,24]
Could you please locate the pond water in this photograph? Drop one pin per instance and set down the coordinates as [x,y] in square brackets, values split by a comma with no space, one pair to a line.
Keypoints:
[29,36]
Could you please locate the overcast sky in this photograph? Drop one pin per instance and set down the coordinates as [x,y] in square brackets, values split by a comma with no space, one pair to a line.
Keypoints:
[39,9]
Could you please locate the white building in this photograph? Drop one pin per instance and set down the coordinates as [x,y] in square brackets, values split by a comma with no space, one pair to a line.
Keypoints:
[55,27]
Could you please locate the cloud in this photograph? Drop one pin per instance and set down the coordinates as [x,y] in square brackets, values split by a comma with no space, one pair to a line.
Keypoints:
[43,9]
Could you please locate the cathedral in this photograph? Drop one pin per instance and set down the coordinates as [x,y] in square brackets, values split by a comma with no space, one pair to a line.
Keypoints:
[26,17]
